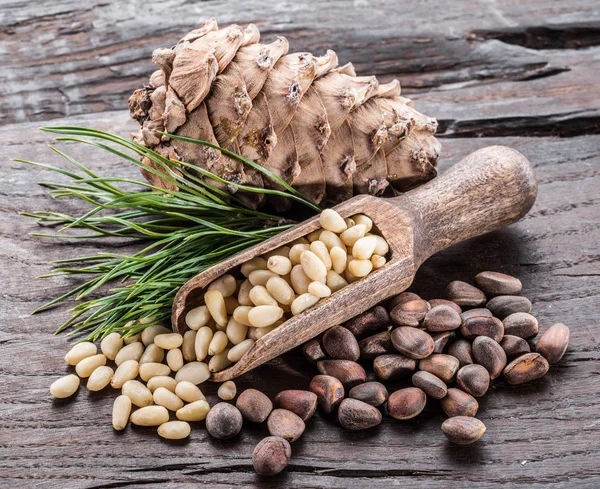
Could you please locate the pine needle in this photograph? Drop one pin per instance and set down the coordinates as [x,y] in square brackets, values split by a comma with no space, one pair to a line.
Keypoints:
[182,232]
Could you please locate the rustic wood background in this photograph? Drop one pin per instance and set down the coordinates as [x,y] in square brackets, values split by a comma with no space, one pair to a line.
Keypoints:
[521,73]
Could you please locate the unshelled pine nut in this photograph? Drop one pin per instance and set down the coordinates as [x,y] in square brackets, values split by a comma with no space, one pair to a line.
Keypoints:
[111,345]
[335,281]
[257,263]
[175,359]
[225,284]
[299,279]
[362,219]
[194,411]
[150,416]
[188,347]
[260,277]
[303,302]
[338,259]
[260,296]
[139,394]
[312,265]
[194,372]
[153,353]
[188,392]
[120,413]
[236,332]
[263,316]
[99,378]
[219,361]
[174,430]
[65,386]
[296,251]
[319,249]
[238,351]
[244,293]
[80,351]
[353,234]
[197,317]
[332,221]
[360,268]
[280,290]
[363,249]
[133,351]
[128,370]
[227,390]
[165,381]
[149,370]
[280,265]
[86,366]
[218,343]
[319,290]
[241,315]
[151,332]
[216,306]
[166,398]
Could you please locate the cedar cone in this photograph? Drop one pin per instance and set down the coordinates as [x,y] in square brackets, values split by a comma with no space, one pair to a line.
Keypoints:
[324,130]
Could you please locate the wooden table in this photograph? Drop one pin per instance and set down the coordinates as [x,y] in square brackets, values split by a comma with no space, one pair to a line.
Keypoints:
[524,74]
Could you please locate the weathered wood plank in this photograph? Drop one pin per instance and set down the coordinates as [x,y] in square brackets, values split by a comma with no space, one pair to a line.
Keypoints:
[541,435]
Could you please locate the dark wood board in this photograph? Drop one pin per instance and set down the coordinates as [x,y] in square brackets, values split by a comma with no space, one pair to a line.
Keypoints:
[487,70]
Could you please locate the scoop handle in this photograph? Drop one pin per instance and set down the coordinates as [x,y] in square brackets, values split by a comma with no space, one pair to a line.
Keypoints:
[489,189]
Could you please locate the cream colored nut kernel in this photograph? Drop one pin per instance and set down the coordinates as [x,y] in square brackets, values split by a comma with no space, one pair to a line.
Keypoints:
[195,411]
[319,290]
[139,394]
[231,303]
[303,302]
[80,351]
[149,370]
[120,412]
[111,345]
[188,392]
[260,332]
[197,317]
[238,351]
[146,320]
[257,263]
[227,390]
[165,381]
[263,316]
[219,361]
[175,359]
[252,332]
[203,338]
[338,259]
[296,251]
[86,366]
[99,378]
[363,249]
[335,281]
[353,234]
[151,332]
[236,332]
[280,290]
[132,351]
[225,284]
[128,370]
[260,296]
[281,251]
[332,221]
[314,235]
[150,416]
[299,279]
[360,268]
[218,343]
[319,249]
[260,277]
[241,314]
[312,265]
[135,338]
[168,341]
[152,354]
[330,240]
[194,372]
[188,347]
[216,306]
[350,277]
[362,219]
[166,398]
[65,386]
[382,248]
[349,222]
[378,261]
[244,293]
[174,430]
[280,265]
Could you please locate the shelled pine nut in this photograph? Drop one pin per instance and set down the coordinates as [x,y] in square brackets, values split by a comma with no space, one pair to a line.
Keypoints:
[227,390]
[188,392]
[111,345]
[121,412]
[80,351]
[65,386]
[162,381]
[152,353]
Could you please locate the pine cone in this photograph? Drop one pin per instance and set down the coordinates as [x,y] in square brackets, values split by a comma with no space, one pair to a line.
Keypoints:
[329,133]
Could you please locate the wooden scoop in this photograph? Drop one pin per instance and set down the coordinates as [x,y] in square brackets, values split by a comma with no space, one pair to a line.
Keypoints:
[489,189]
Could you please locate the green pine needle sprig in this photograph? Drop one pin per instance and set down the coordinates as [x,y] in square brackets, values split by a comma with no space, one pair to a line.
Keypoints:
[183,231]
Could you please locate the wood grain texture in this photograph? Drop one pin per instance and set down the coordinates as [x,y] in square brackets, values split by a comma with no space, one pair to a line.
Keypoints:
[493,69]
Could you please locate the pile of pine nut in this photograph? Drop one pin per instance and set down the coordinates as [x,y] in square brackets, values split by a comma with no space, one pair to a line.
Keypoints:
[281,284]
[236,313]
